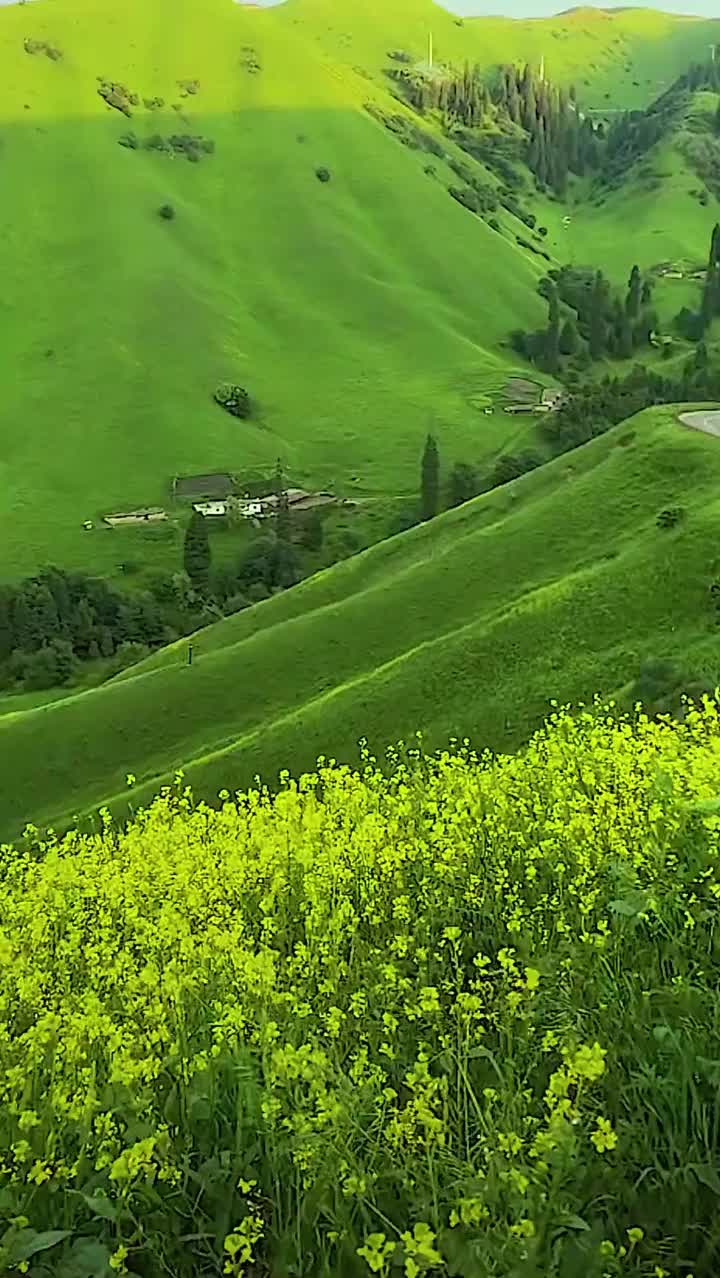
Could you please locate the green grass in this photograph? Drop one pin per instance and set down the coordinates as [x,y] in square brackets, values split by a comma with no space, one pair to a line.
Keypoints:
[553,587]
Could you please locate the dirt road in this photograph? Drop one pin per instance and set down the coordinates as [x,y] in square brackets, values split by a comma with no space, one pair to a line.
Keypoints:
[706,421]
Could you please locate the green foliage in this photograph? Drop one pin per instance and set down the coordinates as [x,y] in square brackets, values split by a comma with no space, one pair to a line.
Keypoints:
[117,95]
[166,212]
[234,399]
[323,175]
[310,531]
[447,1064]
[196,554]
[463,484]
[42,46]
[671,517]
[568,341]
[511,465]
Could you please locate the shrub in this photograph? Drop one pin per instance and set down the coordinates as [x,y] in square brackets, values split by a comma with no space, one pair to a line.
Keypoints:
[323,175]
[234,399]
[236,603]
[42,46]
[130,141]
[117,96]
[671,517]
[166,212]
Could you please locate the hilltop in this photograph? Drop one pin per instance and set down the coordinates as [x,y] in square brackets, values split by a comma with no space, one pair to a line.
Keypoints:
[555,586]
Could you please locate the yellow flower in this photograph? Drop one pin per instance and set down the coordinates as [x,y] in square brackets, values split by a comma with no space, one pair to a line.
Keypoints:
[117,1260]
[604,1138]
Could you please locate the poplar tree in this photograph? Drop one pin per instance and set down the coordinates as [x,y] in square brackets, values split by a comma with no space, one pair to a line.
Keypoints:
[634,295]
[197,552]
[430,479]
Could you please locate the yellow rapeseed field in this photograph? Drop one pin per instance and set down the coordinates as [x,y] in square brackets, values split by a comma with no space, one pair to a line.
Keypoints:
[456,1015]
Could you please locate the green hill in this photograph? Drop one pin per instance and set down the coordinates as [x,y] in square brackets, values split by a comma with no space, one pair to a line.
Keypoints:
[555,586]
[458,1021]
[359,312]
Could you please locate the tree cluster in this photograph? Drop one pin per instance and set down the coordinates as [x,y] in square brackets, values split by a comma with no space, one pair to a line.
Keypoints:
[560,141]
[461,96]
[597,406]
[55,620]
[595,322]
[694,324]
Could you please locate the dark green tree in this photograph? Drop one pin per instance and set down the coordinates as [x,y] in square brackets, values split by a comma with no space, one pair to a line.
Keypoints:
[709,304]
[597,318]
[196,557]
[282,522]
[625,342]
[714,258]
[430,479]
[463,484]
[311,531]
[716,122]
[634,294]
[569,340]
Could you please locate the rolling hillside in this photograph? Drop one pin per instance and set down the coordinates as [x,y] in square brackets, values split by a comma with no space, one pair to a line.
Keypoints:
[355,311]
[360,312]
[558,585]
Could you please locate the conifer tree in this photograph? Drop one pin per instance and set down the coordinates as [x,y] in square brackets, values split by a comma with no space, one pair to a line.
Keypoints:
[197,552]
[430,479]
[714,258]
[632,303]
[282,522]
[568,340]
[551,353]
[597,318]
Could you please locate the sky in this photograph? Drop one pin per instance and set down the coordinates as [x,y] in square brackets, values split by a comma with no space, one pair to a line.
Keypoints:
[540,8]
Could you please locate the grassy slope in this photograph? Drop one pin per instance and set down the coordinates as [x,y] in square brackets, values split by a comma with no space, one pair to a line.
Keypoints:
[354,311]
[361,313]
[601,52]
[555,586]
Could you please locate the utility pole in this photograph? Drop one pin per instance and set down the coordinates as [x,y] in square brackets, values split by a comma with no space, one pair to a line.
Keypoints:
[712,52]
[542,69]
[430,50]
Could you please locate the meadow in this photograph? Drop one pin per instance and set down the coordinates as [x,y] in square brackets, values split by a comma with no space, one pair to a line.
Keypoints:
[554,586]
[459,1018]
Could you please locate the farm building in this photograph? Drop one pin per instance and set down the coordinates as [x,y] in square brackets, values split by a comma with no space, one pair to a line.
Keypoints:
[212,487]
[312,501]
[153,515]
[211,509]
[518,408]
